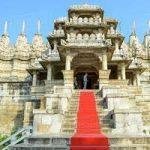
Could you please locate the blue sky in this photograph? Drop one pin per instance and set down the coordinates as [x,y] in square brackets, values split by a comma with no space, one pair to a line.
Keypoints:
[15,11]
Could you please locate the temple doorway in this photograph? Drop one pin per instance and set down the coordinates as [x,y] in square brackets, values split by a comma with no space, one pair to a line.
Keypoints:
[92,80]
[86,63]
[92,77]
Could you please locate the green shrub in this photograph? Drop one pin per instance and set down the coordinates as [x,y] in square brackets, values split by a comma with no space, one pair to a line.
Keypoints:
[3,137]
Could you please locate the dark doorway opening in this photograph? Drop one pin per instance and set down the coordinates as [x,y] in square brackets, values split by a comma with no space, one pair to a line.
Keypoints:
[92,80]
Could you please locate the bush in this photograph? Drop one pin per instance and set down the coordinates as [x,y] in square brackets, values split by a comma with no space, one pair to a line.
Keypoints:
[3,137]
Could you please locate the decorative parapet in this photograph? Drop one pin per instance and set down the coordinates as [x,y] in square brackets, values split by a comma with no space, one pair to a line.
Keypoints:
[85,7]
[58,33]
[85,21]
[61,19]
[86,40]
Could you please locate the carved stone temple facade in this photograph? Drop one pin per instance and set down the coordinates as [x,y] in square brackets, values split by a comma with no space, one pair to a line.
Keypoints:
[37,79]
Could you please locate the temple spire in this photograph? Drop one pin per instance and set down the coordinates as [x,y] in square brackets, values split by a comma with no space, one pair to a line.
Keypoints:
[134,28]
[38,26]
[23,27]
[6,28]
[149,27]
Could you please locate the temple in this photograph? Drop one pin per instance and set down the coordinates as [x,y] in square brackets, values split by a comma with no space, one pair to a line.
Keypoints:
[40,82]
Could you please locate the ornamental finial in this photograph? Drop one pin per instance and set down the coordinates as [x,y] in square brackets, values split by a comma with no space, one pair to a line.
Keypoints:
[23,27]
[149,27]
[5,28]
[134,28]
[38,26]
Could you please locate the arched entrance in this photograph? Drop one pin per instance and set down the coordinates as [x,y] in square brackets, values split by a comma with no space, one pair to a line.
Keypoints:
[86,63]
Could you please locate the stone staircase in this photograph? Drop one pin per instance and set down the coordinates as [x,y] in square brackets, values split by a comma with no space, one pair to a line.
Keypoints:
[117,142]
[69,124]
[104,118]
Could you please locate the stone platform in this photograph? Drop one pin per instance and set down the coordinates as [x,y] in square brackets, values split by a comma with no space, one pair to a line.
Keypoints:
[63,143]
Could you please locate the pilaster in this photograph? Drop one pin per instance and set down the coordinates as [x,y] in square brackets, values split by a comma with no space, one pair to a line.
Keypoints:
[68,77]
[103,77]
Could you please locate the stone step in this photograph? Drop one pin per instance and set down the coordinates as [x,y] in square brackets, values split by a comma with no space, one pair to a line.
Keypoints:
[130,147]
[50,147]
[39,147]
[61,142]
[71,111]
[68,130]
[73,108]
[73,124]
[70,119]
[68,125]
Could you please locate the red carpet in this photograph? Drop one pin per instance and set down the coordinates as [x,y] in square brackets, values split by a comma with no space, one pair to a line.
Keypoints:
[88,135]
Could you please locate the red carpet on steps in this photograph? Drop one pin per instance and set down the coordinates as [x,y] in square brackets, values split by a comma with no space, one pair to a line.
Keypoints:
[88,134]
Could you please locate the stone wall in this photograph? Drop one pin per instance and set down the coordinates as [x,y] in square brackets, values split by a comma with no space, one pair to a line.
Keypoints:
[11,116]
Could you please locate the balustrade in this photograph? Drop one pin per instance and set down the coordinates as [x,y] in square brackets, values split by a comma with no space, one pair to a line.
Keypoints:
[92,39]
[85,20]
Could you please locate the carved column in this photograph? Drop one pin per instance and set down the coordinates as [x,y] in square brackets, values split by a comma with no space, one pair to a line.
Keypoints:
[119,74]
[137,75]
[68,62]
[104,60]
[68,73]
[49,72]
[34,78]
[123,71]
[68,77]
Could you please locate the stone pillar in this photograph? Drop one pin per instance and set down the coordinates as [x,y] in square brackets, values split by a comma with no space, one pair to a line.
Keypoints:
[34,78]
[68,73]
[123,71]
[103,78]
[68,77]
[49,72]
[68,62]
[104,61]
[138,78]
[119,74]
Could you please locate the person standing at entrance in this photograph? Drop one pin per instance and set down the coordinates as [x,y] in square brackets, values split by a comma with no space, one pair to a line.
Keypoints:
[85,80]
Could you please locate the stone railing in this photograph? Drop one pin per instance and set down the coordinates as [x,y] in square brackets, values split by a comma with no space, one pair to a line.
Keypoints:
[85,7]
[54,82]
[86,40]
[17,137]
[37,89]
[84,21]
[57,33]
[61,19]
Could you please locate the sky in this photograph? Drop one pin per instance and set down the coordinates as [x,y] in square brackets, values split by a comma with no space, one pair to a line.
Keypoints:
[15,11]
